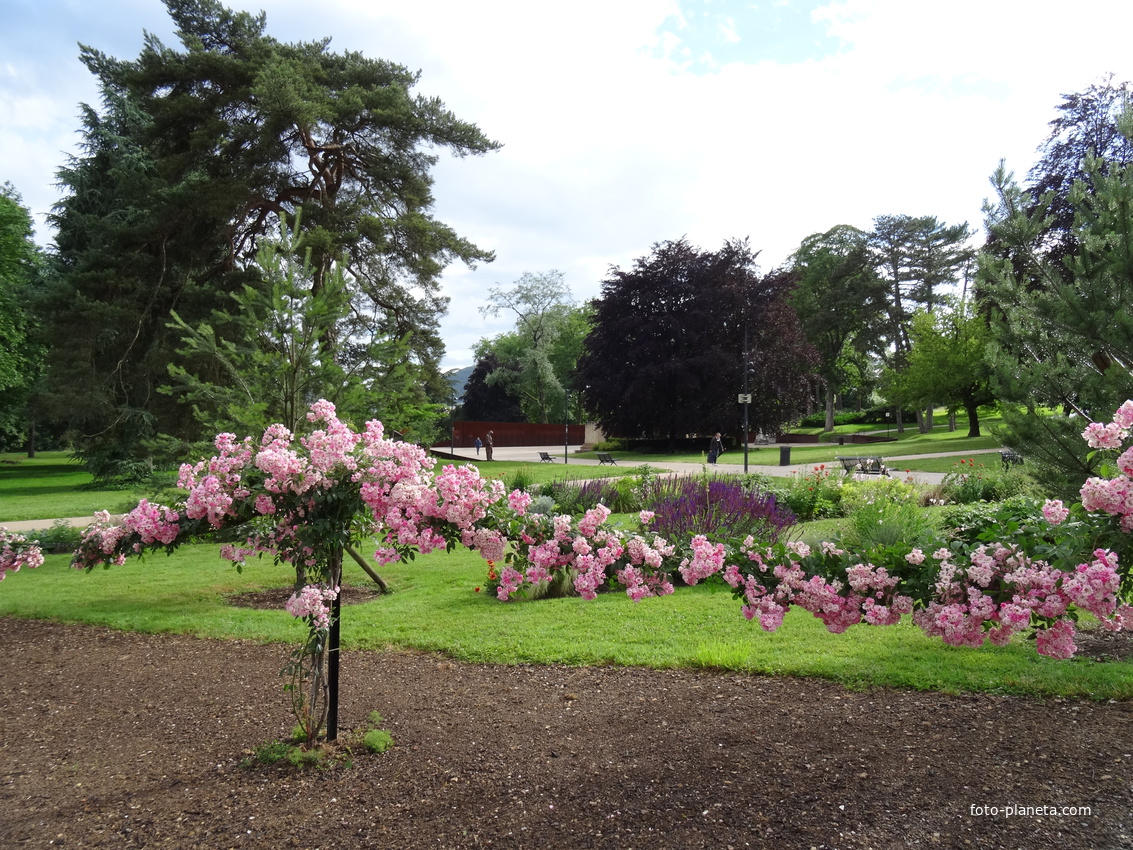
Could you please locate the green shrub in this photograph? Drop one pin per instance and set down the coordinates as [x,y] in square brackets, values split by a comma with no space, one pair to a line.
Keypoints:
[609,446]
[971,481]
[816,494]
[377,740]
[61,537]
[967,522]
[884,522]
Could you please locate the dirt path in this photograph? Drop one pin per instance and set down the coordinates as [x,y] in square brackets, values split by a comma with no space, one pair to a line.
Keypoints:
[122,740]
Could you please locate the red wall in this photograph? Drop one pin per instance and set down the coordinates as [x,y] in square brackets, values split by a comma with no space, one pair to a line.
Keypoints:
[513,434]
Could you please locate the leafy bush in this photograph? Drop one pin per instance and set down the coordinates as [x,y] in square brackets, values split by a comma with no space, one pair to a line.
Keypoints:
[873,416]
[620,495]
[575,498]
[884,521]
[720,508]
[816,494]
[609,446]
[967,522]
[541,505]
[61,537]
[970,482]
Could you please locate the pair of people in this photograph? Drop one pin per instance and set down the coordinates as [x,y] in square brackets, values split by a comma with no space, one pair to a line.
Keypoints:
[487,446]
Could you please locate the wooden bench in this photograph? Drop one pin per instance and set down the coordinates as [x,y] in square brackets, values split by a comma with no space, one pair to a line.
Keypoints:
[606,457]
[863,466]
[545,458]
[1010,457]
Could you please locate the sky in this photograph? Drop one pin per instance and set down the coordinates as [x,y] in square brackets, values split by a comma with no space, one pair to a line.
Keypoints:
[625,123]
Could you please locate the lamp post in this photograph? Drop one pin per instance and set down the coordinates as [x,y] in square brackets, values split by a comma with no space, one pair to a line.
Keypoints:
[566,427]
[746,396]
[452,423]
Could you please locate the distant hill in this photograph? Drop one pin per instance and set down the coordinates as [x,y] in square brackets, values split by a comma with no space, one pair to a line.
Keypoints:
[458,378]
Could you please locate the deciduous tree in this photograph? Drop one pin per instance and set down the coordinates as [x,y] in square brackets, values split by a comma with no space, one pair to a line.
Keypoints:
[666,353]
[841,302]
[947,364]
[20,355]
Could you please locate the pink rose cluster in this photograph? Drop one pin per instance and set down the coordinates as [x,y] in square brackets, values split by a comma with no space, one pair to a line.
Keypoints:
[545,546]
[1003,591]
[313,602]
[16,552]
[868,594]
[1112,496]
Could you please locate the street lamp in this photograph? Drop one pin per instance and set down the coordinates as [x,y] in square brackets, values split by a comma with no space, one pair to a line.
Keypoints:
[452,423]
[566,427]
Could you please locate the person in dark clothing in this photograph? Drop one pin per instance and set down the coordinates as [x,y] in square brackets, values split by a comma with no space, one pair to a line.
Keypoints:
[488,446]
[715,448]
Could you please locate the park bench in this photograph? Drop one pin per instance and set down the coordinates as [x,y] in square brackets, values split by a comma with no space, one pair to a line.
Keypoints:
[546,458]
[863,466]
[1010,457]
[606,457]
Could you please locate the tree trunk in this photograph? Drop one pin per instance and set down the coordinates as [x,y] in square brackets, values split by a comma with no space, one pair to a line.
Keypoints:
[973,418]
[829,408]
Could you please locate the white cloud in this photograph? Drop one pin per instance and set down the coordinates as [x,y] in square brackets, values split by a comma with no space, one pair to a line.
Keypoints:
[616,136]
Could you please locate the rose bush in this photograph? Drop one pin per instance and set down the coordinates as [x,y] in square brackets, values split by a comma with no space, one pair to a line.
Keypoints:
[303,500]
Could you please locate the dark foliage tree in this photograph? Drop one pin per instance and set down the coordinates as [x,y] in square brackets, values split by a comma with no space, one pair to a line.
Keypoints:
[841,301]
[195,156]
[489,402]
[665,356]
[1086,125]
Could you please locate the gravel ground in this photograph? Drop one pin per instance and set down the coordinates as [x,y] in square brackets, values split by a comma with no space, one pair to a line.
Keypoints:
[122,740]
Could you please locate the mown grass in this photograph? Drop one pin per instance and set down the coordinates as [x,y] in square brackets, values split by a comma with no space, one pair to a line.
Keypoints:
[435,607]
[51,485]
[912,442]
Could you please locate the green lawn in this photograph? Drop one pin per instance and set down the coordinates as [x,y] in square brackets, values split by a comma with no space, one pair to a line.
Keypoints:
[435,607]
[912,442]
[52,485]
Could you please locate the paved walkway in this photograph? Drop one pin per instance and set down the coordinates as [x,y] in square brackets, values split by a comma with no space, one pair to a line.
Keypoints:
[531,453]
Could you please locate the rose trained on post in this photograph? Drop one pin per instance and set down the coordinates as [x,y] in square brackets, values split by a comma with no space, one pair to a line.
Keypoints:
[303,500]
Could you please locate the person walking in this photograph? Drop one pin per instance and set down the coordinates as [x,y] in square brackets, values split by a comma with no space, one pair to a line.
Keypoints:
[488,446]
[478,444]
[715,448]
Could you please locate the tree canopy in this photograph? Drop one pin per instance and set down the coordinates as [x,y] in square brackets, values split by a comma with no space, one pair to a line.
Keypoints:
[19,352]
[840,300]
[194,158]
[948,363]
[666,353]
[1063,332]
[535,360]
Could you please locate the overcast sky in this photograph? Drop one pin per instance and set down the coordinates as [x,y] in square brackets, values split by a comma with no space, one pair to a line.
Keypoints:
[629,122]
